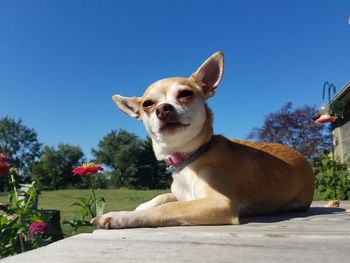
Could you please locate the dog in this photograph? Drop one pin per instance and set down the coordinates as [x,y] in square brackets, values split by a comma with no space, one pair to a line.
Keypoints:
[216,180]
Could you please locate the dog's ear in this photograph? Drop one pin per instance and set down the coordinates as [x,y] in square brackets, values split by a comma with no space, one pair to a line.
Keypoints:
[130,106]
[208,75]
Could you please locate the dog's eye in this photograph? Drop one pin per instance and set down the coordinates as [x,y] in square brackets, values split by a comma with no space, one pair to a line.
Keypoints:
[147,104]
[185,94]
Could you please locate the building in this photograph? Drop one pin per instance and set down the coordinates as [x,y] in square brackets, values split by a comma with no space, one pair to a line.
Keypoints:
[341,127]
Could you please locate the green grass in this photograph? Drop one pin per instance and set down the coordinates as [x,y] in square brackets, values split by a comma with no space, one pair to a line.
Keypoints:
[116,200]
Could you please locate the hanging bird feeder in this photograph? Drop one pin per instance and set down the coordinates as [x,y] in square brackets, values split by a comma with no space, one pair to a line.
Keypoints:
[331,111]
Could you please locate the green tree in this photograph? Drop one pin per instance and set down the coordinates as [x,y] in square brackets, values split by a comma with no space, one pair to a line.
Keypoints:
[20,143]
[149,173]
[118,151]
[295,128]
[100,180]
[131,161]
[54,169]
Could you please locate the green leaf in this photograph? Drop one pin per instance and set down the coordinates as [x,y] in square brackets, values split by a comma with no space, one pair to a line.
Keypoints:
[77,204]
[3,220]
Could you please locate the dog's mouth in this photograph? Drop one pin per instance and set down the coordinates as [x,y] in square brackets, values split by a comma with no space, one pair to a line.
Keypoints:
[171,127]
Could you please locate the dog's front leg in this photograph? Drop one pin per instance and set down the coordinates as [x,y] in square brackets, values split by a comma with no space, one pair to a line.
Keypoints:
[196,212]
[157,201]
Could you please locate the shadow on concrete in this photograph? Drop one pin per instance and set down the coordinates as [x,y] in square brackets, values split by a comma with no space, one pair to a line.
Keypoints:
[283,216]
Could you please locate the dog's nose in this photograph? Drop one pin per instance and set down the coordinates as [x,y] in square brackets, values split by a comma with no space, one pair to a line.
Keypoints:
[165,111]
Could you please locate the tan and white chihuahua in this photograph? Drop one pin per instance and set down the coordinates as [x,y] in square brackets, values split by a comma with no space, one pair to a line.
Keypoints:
[215,180]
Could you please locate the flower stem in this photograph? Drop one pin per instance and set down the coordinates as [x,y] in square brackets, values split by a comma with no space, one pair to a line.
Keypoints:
[13,182]
[21,242]
[93,195]
[28,201]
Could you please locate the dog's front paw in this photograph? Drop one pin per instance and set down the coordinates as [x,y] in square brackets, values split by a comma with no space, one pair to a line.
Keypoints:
[114,220]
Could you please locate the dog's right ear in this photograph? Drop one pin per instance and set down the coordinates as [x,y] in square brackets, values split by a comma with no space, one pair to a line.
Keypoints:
[209,74]
[130,106]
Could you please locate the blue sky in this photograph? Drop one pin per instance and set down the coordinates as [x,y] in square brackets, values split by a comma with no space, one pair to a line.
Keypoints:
[61,61]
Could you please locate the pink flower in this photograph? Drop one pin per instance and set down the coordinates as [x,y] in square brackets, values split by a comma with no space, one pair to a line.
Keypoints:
[39,227]
[87,169]
[4,169]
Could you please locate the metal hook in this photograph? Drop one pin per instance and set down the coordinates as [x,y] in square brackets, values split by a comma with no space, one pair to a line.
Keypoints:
[325,85]
[330,87]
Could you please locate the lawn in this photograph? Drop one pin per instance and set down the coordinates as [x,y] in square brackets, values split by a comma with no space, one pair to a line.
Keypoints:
[116,200]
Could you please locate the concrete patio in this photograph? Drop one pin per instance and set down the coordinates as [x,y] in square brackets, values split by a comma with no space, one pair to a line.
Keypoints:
[319,235]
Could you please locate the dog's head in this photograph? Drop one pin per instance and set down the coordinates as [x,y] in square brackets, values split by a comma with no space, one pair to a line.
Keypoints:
[173,110]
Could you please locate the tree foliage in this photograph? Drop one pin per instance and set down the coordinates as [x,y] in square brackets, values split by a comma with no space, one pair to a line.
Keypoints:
[54,169]
[295,128]
[149,173]
[131,161]
[118,151]
[20,143]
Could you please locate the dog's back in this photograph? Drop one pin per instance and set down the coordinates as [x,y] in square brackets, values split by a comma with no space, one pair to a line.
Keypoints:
[262,177]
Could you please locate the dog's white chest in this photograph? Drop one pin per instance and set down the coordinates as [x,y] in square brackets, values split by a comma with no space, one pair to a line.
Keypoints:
[187,185]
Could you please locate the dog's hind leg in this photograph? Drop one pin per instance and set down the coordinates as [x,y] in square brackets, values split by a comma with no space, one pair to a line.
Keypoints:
[300,203]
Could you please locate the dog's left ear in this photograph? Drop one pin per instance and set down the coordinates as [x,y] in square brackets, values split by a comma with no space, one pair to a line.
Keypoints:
[208,75]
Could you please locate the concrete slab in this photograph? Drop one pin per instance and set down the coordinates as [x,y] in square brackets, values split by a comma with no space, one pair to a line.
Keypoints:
[319,235]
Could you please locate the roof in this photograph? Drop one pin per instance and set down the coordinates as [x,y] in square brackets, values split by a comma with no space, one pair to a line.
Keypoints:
[343,94]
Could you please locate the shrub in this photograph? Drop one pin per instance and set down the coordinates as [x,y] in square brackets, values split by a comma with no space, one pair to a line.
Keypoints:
[325,181]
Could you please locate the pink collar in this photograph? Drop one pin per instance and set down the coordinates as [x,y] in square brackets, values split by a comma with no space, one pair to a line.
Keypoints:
[176,158]
[179,160]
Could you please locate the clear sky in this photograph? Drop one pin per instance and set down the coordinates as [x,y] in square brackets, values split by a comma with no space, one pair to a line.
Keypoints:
[61,61]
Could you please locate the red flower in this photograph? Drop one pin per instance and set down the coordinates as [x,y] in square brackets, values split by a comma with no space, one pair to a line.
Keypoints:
[4,169]
[39,227]
[4,158]
[87,169]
